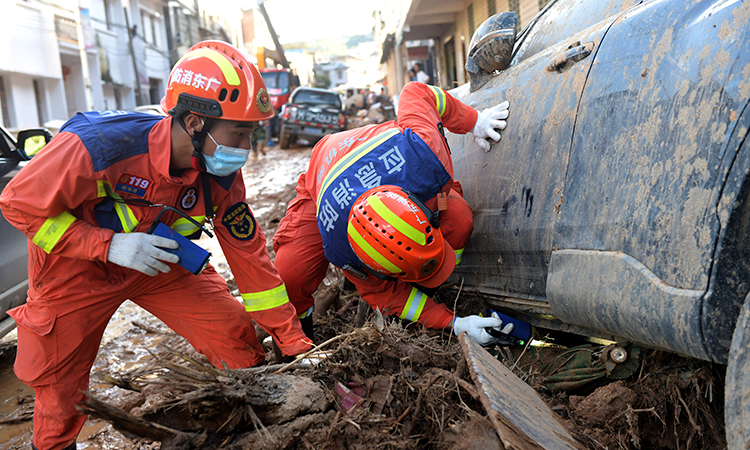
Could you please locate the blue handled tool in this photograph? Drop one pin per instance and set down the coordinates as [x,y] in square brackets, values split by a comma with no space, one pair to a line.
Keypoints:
[192,257]
[521,333]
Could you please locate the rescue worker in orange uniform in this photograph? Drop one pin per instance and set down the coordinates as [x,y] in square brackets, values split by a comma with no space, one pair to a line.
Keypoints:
[380,203]
[86,201]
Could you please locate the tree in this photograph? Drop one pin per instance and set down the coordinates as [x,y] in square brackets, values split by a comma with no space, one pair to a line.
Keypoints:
[321,80]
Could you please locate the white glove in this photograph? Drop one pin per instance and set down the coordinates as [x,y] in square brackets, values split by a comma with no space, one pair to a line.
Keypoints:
[475,326]
[488,123]
[141,252]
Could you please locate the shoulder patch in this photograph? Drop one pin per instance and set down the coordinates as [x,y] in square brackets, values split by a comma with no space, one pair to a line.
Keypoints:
[240,222]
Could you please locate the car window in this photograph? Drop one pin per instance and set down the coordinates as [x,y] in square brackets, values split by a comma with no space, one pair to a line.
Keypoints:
[330,99]
[276,81]
[561,19]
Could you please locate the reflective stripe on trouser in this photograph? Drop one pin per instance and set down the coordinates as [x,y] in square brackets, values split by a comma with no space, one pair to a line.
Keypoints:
[307,313]
[459,255]
[58,341]
[415,304]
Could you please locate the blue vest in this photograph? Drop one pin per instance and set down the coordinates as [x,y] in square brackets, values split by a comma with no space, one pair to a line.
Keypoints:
[400,159]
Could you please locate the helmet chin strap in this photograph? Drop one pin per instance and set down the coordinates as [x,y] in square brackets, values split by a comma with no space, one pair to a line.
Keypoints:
[197,160]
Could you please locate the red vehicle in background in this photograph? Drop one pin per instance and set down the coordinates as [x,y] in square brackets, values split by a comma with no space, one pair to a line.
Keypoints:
[280,83]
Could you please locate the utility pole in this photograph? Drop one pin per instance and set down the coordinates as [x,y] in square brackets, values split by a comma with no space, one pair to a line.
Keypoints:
[131,32]
[279,49]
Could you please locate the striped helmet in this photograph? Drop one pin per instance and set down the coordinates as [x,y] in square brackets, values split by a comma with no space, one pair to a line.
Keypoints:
[394,234]
[215,79]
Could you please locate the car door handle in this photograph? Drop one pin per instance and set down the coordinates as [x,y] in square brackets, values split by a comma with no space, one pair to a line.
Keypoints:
[572,55]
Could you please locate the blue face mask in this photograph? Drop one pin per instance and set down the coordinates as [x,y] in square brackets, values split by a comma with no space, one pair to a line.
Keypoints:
[225,160]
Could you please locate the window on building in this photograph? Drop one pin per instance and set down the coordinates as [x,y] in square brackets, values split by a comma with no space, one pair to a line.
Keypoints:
[41,101]
[491,8]
[4,104]
[542,4]
[149,22]
[100,12]
[470,18]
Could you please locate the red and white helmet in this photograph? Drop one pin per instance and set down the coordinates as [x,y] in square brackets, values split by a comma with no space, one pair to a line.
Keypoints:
[394,234]
[215,79]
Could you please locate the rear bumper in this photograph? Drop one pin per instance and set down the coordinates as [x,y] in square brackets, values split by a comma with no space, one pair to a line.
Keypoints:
[309,131]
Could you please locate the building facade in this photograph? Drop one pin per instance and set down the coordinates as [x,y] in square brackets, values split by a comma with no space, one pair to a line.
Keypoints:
[58,57]
[436,35]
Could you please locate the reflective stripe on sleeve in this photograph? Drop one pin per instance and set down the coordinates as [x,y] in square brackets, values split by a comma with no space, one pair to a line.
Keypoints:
[101,189]
[415,304]
[439,99]
[370,251]
[186,227]
[262,301]
[459,254]
[52,231]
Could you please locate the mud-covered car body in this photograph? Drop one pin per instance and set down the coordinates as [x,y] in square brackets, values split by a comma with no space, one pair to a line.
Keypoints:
[13,244]
[619,201]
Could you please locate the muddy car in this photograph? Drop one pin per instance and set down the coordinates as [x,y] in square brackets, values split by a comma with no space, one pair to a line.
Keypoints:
[13,276]
[310,114]
[620,205]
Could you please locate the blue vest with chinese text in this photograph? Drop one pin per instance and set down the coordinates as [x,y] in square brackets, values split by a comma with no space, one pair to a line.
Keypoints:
[400,159]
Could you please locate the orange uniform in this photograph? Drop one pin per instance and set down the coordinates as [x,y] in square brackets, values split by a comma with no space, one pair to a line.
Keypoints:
[95,178]
[411,153]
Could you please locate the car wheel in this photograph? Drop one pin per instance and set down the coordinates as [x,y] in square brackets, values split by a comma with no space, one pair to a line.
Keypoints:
[283,139]
[737,389]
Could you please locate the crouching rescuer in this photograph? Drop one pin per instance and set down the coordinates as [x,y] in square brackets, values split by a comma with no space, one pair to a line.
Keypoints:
[380,203]
[87,202]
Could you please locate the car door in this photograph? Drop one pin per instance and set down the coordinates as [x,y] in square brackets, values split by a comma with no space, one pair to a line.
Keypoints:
[646,201]
[516,189]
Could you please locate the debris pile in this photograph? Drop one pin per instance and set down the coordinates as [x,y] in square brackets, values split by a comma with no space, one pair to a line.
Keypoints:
[386,385]
[381,386]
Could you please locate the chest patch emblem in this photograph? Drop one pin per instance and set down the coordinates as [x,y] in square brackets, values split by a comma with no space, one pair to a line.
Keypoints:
[189,199]
[240,222]
[133,184]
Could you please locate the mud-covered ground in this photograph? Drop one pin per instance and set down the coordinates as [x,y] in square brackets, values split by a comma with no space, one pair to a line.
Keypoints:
[413,389]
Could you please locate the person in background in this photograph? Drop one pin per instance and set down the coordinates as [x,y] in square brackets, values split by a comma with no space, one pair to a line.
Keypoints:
[108,177]
[420,75]
[380,202]
[258,139]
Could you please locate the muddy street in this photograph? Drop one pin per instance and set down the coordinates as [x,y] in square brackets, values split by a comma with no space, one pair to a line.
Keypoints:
[400,387]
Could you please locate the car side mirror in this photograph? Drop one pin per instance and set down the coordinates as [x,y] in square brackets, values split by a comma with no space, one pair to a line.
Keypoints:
[491,48]
[32,140]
